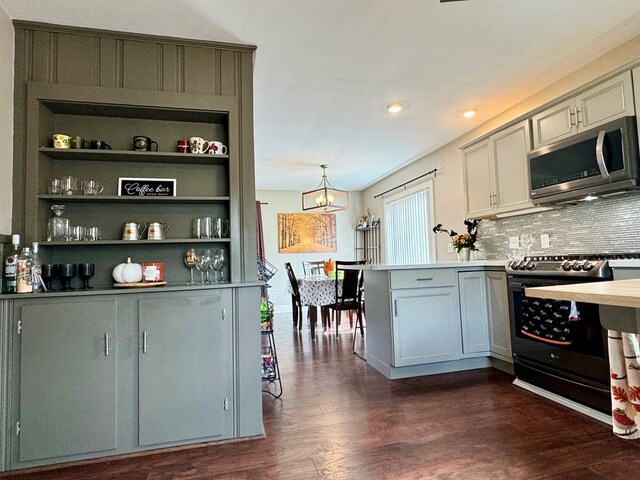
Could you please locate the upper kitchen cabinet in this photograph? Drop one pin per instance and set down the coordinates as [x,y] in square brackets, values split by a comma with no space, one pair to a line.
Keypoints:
[607,101]
[495,173]
[636,88]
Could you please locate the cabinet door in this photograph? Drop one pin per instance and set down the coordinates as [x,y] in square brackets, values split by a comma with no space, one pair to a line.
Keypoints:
[509,149]
[477,171]
[426,326]
[67,378]
[608,101]
[184,367]
[636,88]
[498,308]
[473,312]
[554,123]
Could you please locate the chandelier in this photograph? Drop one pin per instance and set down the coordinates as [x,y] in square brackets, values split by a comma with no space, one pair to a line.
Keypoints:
[325,197]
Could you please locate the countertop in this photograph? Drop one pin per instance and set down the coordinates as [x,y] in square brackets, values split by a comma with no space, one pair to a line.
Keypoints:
[465,265]
[620,293]
[626,263]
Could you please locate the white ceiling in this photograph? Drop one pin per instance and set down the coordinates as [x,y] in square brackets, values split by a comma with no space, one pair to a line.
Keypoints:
[324,70]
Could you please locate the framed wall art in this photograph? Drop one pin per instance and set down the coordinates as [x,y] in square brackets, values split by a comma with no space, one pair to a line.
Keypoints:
[306,232]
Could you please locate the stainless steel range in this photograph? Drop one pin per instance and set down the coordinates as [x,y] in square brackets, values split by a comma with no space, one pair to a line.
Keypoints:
[559,345]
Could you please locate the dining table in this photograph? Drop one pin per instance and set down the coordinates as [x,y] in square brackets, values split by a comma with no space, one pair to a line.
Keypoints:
[318,291]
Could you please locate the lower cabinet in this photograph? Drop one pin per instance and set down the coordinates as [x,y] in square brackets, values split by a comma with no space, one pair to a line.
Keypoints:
[484,313]
[185,367]
[67,378]
[425,326]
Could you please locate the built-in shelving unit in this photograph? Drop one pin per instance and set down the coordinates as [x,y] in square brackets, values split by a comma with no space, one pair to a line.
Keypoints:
[367,244]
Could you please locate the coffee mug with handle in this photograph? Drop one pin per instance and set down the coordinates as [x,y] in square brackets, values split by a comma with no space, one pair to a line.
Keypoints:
[61,140]
[144,144]
[217,148]
[198,145]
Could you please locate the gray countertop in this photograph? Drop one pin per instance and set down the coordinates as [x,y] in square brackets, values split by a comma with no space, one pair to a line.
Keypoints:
[122,291]
[459,265]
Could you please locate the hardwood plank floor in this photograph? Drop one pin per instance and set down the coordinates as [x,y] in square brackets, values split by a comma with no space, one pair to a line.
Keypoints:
[340,419]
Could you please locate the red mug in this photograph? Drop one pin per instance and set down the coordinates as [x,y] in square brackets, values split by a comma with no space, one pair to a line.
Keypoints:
[153,272]
[183,146]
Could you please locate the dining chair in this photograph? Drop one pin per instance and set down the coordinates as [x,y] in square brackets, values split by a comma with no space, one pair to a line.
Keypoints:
[313,268]
[296,301]
[350,298]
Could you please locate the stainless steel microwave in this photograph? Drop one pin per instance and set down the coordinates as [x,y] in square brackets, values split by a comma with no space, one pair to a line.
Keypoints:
[596,162]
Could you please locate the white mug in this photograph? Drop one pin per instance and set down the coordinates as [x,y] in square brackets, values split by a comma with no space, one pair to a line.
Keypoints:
[217,148]
[198,145]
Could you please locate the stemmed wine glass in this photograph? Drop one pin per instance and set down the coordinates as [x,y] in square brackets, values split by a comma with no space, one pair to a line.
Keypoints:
[215,266]
[85,272]
[222,259]
[67,271]
[191,260]
[208,255]
[526,239]
[204,261]
[48,272]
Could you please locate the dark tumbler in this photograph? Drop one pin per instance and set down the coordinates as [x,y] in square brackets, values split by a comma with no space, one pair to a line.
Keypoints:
[67,271]
[48,272]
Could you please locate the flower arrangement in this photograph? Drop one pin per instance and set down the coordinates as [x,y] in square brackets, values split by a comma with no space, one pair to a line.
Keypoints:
[464,240]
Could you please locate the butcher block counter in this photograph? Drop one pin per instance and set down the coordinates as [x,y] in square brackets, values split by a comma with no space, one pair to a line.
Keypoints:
[619,300]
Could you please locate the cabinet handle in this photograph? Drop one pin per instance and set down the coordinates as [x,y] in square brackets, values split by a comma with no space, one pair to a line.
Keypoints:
[425,279]
[106,344]
[491,199]
[495,199]
[224,314]
[144,342]
[573,118]
[395,308]
[578,121]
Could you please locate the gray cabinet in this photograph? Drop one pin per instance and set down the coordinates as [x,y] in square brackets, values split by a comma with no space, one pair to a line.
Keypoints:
[425,321]
[605,102]
[68,357]
[495,175]
[185,367]
[473,312]
[498,312]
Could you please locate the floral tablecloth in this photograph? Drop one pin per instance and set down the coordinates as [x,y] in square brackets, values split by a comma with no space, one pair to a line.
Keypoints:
[318,290]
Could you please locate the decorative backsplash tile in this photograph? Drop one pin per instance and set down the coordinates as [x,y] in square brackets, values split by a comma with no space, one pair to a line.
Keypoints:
[601,226]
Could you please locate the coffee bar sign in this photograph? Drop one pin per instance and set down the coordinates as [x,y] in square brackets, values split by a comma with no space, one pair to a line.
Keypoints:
[147,187]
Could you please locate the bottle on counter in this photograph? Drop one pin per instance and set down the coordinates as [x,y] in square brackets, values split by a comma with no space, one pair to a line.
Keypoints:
[24,275]
[10,264]
[36,270]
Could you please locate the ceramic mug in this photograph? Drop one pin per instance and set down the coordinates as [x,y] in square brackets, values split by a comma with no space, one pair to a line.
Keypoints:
[76,142]
[183,146]
[144,144]
[61,141]
[198,145]
[217,148]
[99,145]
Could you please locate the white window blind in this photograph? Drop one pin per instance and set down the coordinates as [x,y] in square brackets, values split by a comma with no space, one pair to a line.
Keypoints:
[407,221]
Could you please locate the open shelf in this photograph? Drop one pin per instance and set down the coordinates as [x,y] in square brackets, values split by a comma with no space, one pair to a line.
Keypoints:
[134,242]
[118,199]
[133,156]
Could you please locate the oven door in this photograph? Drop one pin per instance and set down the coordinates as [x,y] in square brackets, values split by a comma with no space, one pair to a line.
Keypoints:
[564,335]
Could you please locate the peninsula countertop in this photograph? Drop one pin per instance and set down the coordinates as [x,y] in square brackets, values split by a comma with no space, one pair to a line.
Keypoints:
[451,264]
[619,293]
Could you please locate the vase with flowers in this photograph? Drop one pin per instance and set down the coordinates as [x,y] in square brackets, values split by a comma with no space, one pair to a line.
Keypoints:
[463,243]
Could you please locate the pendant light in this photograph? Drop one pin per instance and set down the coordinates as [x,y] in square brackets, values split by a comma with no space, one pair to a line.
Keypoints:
[325,197]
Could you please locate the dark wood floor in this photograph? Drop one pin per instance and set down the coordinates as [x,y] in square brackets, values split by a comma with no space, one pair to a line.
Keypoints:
[340,419]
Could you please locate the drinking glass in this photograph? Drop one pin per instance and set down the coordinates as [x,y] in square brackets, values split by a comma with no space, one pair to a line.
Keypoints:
[526,239]
[201,265]
[91,187]
[207,257]
[221,228]
[222,260]
[215,266]
[54,186]
[70,185]
[85,272]
[66,272]
[197,230]
[48,272]
[191,260]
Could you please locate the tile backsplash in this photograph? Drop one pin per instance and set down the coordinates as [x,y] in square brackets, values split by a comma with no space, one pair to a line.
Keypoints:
[601,226]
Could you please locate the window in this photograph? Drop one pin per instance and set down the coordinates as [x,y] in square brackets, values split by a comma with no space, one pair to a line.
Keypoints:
[408,221]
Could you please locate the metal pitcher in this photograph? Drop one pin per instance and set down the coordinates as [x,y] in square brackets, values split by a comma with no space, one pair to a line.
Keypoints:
[133,231]
[157,230]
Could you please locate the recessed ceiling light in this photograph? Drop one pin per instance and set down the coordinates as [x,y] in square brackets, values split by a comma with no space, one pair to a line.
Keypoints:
[470,112]
[395,107]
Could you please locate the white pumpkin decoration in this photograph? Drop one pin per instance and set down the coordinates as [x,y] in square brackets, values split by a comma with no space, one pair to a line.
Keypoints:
[127,272]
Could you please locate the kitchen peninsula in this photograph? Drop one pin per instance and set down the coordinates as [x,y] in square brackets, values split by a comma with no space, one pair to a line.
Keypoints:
[436,318]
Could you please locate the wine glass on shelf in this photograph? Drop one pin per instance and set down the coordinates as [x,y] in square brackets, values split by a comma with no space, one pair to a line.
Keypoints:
[191,261]
[215,264]
[526,239]
[223,259]
[201,265]
[205,259]
[49,271]
[85,272]
[67,271]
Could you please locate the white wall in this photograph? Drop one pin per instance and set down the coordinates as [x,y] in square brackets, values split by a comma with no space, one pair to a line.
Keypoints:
[289,201]
[448,187]
[6,120]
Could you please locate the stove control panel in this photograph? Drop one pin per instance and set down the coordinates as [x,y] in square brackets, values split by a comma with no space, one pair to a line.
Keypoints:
[561,265]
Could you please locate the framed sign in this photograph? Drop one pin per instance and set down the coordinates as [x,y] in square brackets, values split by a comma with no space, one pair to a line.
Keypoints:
[146,187]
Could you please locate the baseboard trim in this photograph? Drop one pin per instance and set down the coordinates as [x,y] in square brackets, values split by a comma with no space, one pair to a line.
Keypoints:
[554,397]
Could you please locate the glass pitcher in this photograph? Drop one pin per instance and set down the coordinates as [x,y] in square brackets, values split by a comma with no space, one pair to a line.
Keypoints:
[57,226]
